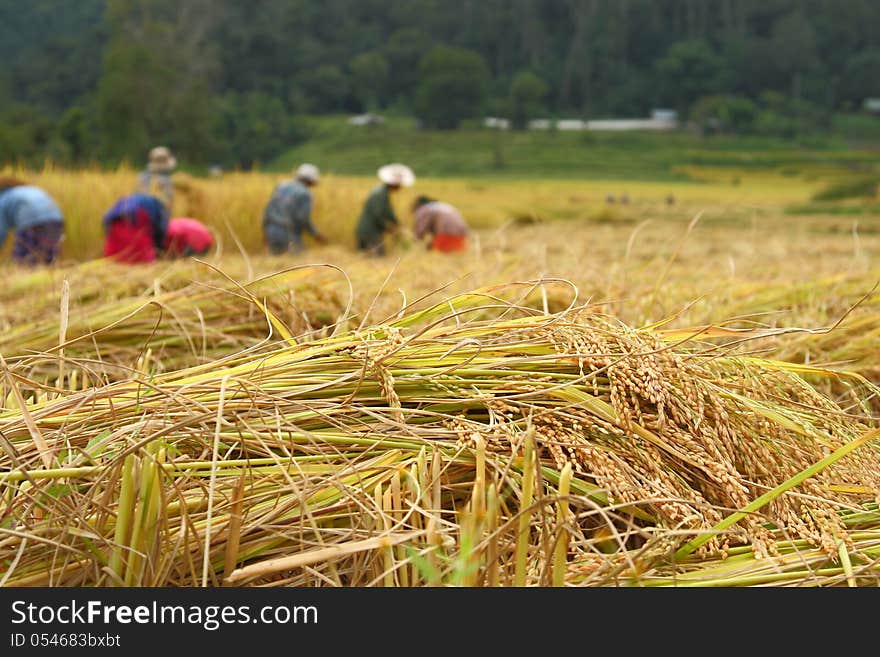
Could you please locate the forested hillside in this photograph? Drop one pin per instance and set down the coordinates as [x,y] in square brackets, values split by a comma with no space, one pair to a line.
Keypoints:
[224,80]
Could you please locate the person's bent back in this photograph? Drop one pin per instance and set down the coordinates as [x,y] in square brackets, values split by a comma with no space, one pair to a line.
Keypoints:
[288,214]
[135,229]
[441,221]
[35,219]
[187,237]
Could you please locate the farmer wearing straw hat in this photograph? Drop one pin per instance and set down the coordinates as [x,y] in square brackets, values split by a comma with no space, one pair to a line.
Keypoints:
[289,212]
[377,216]
[156,180]
[35,219]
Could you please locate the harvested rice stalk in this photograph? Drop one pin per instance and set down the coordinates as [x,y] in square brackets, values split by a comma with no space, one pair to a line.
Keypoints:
[664,442]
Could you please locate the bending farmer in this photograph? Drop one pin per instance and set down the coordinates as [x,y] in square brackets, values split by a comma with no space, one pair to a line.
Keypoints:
[289,212]
[36,220]
[377,216]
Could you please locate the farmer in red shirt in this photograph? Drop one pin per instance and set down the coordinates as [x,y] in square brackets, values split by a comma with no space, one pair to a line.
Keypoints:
[135,229]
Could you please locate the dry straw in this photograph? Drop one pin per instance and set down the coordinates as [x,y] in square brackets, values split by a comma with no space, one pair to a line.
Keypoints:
[565,448]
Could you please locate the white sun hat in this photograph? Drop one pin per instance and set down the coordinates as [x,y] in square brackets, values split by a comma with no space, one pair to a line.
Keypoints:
[397,174]
[308,172]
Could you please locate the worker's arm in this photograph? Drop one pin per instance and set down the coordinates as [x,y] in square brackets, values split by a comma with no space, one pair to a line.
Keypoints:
[305,211]
[314,232]
[308,226]
[424,223]
[388,212]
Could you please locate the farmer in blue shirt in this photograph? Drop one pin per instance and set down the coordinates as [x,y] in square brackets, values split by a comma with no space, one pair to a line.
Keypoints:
[35,219]
[289,212]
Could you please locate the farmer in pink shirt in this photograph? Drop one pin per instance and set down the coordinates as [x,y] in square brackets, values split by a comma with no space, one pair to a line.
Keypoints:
[442,222]
[187,237]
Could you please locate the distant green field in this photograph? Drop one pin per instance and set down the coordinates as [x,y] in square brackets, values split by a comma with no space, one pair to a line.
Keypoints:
[340,148]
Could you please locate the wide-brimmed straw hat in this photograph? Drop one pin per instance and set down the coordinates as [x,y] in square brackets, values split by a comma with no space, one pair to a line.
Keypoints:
[308,172]
[397,174]
[161,159]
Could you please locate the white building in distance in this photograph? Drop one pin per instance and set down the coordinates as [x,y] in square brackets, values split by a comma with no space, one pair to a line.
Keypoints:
[661,119]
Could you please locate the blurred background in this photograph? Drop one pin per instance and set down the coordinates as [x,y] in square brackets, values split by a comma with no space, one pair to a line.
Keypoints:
[452,87]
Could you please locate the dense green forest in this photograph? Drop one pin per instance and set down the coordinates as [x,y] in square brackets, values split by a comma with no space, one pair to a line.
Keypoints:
[229,81]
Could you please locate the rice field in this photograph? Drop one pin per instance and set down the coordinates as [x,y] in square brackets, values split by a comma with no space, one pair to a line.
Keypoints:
[594,394]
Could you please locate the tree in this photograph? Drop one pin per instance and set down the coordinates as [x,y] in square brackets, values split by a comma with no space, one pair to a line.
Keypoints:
[452,88]
[794,45]
[326,88]
[861,77]
[578,60]
[690,69]
[156,82]
[747,59]
[72,130]
[149,71]
[783,116]
[527,93]
[24,133]
[724,114]
[130,99]
[369,78]
[256,127]
[402,51]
